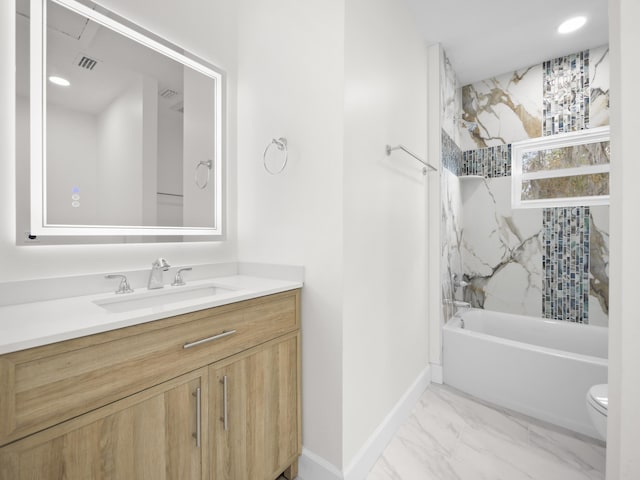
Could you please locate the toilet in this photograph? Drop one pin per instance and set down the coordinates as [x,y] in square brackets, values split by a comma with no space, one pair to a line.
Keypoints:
[597,405]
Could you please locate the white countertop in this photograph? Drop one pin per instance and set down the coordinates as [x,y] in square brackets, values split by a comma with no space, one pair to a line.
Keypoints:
[34,324]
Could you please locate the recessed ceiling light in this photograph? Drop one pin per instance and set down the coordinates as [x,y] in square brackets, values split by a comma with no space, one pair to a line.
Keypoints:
[63,82]
[572,24]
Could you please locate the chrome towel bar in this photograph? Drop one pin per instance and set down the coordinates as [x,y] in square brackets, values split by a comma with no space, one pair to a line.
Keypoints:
[389,149]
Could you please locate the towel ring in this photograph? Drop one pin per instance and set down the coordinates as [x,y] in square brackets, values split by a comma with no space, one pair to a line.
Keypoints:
[281,144]
[209,165]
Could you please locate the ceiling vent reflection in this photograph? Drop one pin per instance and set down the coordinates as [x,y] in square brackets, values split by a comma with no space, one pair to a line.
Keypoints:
[87,63]
[168,93]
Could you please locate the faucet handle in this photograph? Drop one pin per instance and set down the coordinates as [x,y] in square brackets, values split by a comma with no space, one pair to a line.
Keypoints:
[178,280]
[124,286]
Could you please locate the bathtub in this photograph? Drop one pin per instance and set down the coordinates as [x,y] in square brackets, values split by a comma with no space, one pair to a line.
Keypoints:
[542,368]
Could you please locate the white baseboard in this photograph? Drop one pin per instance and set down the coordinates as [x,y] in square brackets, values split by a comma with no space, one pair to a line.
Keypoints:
[436,374]
[368,455]
[314,467]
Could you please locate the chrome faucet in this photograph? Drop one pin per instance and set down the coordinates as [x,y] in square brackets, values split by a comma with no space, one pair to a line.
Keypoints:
[178,280]
[459,304]
[155,278]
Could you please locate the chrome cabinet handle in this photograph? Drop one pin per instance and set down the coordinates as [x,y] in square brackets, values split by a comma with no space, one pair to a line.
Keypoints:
[209,339]
[225,404]
[197,435]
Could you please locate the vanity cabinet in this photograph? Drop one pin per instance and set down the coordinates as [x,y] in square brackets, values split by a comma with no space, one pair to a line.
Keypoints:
[255,402]
[151,400]
[150,435]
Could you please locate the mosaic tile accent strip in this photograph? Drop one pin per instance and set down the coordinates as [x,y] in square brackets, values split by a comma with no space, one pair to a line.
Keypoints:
[566,94]
[565,263]
[489,162]
[451,154]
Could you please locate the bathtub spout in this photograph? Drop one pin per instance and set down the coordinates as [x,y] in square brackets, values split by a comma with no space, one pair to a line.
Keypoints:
[459,306]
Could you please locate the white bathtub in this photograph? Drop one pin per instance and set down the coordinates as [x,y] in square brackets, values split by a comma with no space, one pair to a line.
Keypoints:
[542,368]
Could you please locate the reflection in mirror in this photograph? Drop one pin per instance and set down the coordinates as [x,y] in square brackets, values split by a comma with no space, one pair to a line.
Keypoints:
[131,128]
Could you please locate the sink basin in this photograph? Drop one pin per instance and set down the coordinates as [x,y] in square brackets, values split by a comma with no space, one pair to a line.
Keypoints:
[159,298]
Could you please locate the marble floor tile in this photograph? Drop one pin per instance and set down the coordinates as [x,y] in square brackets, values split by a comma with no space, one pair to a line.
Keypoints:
[451,436]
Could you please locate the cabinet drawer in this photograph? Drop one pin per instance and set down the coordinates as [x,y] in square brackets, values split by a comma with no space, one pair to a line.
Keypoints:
[46,385]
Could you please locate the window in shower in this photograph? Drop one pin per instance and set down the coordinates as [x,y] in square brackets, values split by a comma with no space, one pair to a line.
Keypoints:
[561,170]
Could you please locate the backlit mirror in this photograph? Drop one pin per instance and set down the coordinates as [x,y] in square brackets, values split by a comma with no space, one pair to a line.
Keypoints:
[124,128]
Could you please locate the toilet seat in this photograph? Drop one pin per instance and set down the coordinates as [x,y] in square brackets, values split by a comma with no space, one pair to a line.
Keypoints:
[599,398]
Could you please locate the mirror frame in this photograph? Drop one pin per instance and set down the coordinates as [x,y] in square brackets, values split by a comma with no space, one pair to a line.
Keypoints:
[38,89]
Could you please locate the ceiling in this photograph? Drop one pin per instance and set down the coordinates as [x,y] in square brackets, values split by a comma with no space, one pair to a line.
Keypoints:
[120,62]
[485,38]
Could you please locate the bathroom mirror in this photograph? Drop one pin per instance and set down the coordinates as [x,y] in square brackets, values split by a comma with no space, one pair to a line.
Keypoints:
[124,128]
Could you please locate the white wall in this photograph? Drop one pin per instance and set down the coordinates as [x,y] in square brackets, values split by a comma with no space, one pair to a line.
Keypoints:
[149,151]
[170,140]
[72,157]
[352,216]
[385,329]
[623,433]
[22,149]
[198,146]
[207,29]
[290,83]
[120,161]
[434,206]
[170,144]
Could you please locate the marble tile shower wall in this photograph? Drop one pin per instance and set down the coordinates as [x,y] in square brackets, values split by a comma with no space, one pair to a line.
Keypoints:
[511,107]
[501,249]
[450,99]
[451,241]
[451,211]
[549,262]
[599,85]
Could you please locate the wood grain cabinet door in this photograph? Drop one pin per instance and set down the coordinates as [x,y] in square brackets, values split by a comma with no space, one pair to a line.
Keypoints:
[255,412]
[151,435]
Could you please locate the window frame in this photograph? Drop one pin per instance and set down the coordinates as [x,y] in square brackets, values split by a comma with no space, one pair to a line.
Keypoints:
[582,137]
